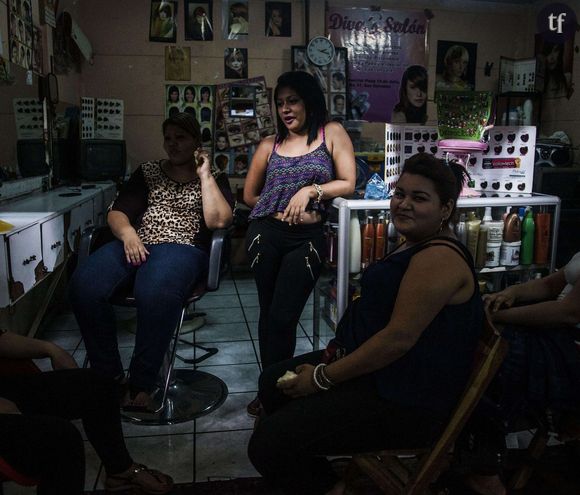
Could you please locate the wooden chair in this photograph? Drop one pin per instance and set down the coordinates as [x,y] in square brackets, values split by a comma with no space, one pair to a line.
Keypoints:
[387,470]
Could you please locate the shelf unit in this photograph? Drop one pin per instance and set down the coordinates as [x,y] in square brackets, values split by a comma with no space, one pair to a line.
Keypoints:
[345,206]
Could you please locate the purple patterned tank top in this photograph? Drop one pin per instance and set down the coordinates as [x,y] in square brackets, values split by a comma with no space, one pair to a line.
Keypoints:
[286,175]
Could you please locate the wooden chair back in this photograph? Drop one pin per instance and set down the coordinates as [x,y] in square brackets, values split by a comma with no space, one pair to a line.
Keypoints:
[385,467]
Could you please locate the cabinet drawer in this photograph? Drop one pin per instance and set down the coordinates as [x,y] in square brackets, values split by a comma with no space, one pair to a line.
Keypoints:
[81,217]
[25,255]
[53,245]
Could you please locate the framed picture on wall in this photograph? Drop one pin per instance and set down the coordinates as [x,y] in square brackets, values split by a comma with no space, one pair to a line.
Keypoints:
[332,78]
[198,21]
[162,25]
[278,19]
[177,63]
[456,63]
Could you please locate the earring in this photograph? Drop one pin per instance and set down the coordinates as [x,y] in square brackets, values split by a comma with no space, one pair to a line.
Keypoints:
[442,225]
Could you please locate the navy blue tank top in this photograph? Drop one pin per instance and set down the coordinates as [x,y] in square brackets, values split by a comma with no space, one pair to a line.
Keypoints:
[433,373]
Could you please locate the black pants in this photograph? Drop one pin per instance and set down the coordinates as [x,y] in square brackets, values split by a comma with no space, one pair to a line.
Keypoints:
[43,444]
[291,441]
[286,261]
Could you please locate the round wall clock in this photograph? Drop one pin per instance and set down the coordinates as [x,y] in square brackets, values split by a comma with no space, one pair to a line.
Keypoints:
[320,50]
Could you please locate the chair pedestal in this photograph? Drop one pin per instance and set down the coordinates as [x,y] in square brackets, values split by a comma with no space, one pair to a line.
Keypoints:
[191,394]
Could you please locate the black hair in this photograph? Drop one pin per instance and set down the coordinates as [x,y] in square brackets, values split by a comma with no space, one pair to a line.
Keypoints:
[311,94]
[205,89]
[185,121]
[173,111]
[191,111]
[189,88]
[557,73]
[205,114]
[205,135]
[448,177]
[172,89]
[165,7]
[417,75]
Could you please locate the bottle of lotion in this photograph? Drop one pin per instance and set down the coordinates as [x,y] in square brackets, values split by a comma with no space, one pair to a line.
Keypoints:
[355,242]
[472,224]
[511,244]
[368,243]
[380,237]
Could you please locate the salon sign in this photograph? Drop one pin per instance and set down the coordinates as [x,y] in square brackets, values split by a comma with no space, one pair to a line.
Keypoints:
[381,45]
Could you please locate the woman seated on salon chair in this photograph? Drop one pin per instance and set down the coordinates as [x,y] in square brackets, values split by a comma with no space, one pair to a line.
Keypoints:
[162,221]
[39,441]
[406,348]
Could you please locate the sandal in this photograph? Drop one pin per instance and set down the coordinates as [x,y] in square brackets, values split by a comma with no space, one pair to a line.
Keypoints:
[149,481]
[134,401]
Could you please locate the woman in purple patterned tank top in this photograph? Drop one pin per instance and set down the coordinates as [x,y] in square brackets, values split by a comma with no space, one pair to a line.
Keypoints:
[291,179]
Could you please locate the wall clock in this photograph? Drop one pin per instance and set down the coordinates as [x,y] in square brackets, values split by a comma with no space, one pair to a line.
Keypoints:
[320,50]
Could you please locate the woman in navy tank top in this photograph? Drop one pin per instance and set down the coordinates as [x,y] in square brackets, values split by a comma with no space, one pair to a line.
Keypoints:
[291,180]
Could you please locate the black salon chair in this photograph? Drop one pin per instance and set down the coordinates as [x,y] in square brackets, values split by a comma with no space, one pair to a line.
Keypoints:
[183,394]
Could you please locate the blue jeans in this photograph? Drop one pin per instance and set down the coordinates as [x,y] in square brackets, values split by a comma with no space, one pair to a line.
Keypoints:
[160,285]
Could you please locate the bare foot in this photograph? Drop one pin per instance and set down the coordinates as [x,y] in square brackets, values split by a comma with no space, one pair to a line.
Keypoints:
[141,400]
[485,485]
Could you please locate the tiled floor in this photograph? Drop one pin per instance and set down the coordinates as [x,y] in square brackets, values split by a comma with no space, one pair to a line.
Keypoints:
[213,446]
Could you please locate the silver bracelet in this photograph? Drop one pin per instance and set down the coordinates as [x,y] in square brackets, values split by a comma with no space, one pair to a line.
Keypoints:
[324,377]
[316,378]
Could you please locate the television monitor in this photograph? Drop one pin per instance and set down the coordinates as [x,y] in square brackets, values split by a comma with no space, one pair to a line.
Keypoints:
[31,157]
[102,159]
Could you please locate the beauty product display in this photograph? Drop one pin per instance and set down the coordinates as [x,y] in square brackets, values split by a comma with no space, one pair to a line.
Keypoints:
[542,237]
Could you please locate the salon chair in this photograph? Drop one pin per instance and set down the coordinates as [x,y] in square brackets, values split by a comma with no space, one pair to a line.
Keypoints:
[183,394]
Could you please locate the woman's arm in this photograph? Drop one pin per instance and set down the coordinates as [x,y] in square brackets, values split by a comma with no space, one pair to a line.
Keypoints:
[15,346]
[135,251]
[257,172]
[547,314]
[436,277]
[342,152]
[217,212]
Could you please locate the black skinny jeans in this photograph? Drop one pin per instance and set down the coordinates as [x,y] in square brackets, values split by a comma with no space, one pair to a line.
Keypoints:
[286,261]
[293,438]
[43,444]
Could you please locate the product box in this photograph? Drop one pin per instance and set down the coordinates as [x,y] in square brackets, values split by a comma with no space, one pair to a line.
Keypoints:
[525,75]
[507,164]
[101,118]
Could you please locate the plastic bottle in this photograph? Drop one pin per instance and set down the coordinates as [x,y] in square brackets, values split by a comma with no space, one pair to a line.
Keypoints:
[392,236]
[511,244]
[481,255]
[355,243]
[380,231]
[494,234]
[368,243]
[528,228]
[542,237]
[461,230]
[528,111]
[473,223]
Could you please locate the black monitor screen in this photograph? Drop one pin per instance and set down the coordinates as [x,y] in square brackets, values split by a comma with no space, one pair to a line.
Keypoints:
[102,159]
[31,157]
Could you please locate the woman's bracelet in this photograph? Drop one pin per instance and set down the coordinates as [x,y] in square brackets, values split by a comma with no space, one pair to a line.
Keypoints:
[320,379]
[319,192]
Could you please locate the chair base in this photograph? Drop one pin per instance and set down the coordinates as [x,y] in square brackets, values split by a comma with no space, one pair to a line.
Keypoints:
[192,394]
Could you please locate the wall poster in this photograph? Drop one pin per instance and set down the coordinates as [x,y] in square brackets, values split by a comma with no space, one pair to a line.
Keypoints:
[162,25]
[236,137]
[20,33]
[198,21]
[177,63]
[456,63]
[381,45]
[332,78]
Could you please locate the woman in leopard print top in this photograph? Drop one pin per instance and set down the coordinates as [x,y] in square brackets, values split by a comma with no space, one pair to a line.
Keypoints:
[162,221]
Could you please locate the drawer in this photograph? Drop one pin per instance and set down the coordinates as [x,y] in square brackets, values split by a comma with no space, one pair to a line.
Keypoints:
[81,217]
[25,260]
[53,245]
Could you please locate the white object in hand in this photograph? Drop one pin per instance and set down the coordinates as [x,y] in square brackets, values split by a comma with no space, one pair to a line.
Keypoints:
[286,377]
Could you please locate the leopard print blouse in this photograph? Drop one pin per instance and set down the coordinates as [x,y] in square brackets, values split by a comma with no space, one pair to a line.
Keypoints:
[166,210]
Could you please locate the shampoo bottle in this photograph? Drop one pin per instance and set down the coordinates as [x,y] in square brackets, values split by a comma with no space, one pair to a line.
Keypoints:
[472,225]
[528,228]
[368,243]
[355,242]
[380,237]
[511,244]
[460,230]
[392,236]
[542,237]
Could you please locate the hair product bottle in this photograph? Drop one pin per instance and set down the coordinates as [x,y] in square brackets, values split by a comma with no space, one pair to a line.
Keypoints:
[355,242]
[494,237]
[511,244]
[368,243]
[380,231]
[472,224]
[392,236]
[460,230]
[542,237]
[528,228]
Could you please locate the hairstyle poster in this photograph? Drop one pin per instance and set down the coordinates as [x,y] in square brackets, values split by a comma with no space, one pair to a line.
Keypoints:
[236,137]
[162,25]
[198,21]
[381,45]
[278,19]
[177,63]
[20,33]
[235,16]
[37,50]
[198,100]
[455,66]
[332,78]
[558,61]
[236,63]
